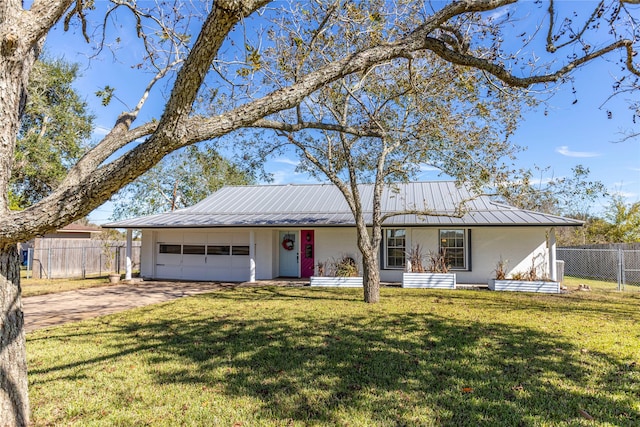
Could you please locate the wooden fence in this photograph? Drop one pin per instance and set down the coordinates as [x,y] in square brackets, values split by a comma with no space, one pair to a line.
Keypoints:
[78,258]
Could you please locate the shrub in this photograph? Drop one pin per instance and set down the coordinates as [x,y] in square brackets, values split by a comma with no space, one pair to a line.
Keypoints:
[345,266]
[415,257]
[437,263]
[501,269]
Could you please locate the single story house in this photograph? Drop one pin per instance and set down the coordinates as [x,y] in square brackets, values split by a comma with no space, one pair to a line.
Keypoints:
[248,233]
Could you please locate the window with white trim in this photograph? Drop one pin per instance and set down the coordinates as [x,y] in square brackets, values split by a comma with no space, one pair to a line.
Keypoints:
[453,245]
[395,248]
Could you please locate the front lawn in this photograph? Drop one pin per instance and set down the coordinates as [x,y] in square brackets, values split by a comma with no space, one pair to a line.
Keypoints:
[32,287]
[299,356]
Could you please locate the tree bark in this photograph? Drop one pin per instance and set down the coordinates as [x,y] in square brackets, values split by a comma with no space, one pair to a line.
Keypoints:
[19,46]
[371,277]
[14,402]
[369,251]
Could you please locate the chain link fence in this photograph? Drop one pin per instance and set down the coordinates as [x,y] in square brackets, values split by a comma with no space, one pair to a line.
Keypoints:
[620,267]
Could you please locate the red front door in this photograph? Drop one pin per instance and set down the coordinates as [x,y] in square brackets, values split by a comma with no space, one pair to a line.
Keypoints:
[307,263]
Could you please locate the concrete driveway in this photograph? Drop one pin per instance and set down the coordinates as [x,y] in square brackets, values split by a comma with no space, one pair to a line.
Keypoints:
[55,309]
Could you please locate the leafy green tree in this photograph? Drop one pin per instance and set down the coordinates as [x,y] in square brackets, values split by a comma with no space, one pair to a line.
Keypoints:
[179,180]
[382,126]
[619,223]
[623,221]
[572,195]
[53,133]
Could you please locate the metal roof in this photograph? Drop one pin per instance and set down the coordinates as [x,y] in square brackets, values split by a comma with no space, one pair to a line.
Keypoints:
[319,205]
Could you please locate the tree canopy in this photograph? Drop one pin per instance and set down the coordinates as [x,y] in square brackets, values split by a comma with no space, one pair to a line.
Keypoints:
[622,221]
[384,125]
[567,195]
[233,58]
[181,179]
[54,132]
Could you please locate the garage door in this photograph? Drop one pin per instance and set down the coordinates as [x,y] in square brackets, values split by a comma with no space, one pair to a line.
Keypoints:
[220,256]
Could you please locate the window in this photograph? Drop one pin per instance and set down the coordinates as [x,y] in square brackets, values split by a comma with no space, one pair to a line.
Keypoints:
[171,249]
[395,247]
[193,249]
[453,246]
[240,250]
[218,250]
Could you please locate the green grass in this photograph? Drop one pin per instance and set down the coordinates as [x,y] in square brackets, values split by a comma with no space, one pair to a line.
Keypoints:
[311,357]
[573,282]
[33,287]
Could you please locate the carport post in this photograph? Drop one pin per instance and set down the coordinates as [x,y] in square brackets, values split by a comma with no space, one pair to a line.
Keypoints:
[252,256]
[553,268]
[127,271]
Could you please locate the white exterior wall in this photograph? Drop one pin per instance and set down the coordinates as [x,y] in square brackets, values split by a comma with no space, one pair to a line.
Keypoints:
[275,252]
[335,243]
[264,255]
[147,259]
[518,245]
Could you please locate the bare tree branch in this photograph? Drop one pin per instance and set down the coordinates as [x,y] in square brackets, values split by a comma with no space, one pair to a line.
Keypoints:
[37,21]
[551,47]
[441,49]
[287,127]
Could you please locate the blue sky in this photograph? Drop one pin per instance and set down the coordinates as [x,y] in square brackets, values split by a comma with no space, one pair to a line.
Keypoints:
[567,135]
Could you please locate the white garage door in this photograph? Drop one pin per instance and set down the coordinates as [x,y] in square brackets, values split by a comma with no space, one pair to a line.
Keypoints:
[222,256]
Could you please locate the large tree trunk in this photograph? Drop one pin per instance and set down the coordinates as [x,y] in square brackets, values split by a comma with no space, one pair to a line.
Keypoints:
[370,265]
[17,57]
[371,278]
[14,402]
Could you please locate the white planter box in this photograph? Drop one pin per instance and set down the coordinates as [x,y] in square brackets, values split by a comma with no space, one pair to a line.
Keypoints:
[429,280]
[341,282]
[524,286]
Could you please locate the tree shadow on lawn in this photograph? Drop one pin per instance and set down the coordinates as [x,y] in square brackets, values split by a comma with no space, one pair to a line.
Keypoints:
[581,304]
[380,368]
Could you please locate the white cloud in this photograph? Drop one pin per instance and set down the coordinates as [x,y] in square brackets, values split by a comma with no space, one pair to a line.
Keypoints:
[499,13]
[287,161]
[100,131]
[283,177]
[626,194]
[622,184]
[428,168]
[280,177]
[564,150]
[542,180]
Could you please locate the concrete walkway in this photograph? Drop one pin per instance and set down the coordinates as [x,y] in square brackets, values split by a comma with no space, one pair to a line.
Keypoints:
[56,309]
